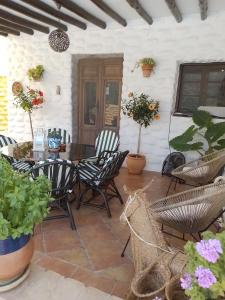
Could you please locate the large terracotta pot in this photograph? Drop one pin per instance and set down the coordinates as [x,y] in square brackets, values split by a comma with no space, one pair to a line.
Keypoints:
[135,163]
[147,70]
[15,256]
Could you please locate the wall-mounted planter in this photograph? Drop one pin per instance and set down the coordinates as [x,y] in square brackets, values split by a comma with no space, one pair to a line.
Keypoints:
[146,70]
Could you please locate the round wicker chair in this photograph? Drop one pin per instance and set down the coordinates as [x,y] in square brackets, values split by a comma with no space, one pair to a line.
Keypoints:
[192,211]
[201,171]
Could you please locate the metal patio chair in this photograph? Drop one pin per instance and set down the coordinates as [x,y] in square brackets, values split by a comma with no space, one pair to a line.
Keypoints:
[100,180]
[106,143]
[193,211]
[203,170]
[66,139]
[63,176]
[18,165]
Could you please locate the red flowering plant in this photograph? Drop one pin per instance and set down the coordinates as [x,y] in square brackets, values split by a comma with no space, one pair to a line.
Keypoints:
[29,100]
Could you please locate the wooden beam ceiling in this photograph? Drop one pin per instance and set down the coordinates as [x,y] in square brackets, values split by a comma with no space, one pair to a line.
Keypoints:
[203,4]
[68,4]
[56,13]
[109,11]
[141,11]
[3,34]
[32,14]
[16,26]
[9,30]
[24,22]
[174,10]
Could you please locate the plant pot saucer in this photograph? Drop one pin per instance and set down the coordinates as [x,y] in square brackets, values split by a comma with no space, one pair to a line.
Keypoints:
[9,285]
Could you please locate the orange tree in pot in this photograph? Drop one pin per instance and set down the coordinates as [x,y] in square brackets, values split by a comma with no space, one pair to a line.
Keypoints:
[143,110]
[23,204]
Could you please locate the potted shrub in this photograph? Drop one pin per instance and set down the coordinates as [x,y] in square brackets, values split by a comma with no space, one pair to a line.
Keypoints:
[142,110]
[205,276]
[54,140]
[147,64]
[23,204]
[204,136]
[35,73]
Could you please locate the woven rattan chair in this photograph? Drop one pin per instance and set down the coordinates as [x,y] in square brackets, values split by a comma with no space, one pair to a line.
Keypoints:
[201,171]
[192,211]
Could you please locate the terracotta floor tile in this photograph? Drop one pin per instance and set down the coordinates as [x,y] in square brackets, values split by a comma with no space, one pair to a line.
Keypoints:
[51,225]
[95,280]
[74,256]
[37,256]
[95,232]
[89,219]
[56,265]
[38,242]
[121,289]
[58,240]
[123,273]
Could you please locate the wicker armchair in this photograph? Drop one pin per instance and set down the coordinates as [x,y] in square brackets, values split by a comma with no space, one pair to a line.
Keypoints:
[201,171]
[192,211]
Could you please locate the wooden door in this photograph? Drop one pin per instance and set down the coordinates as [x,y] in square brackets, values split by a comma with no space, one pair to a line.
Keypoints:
[100,82]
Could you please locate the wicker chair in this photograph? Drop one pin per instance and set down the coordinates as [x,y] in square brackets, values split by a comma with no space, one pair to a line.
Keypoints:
[192,211]
[201,171]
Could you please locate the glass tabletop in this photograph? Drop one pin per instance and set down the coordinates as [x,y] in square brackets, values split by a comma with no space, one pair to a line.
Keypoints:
[72,151]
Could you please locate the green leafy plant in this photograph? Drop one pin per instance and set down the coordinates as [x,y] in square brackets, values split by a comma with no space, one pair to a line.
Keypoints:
[205,269]
[23,202]
[144,61]
[204,136]
[142,109]
[35,73]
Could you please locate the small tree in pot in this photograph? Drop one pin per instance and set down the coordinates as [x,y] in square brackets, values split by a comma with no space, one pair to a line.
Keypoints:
[23,204]
[143,110]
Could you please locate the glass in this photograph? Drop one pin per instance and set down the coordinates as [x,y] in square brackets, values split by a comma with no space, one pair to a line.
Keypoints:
[112,108]
[39,139]
[90,109]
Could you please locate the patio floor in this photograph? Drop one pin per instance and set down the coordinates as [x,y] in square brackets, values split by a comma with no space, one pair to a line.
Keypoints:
[92,253]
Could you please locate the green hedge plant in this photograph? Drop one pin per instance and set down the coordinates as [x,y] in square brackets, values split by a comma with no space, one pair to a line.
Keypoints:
[205,136]
[23,201]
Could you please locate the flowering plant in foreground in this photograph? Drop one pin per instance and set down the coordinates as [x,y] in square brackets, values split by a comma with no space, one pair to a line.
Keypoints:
[29,100]
[205,276]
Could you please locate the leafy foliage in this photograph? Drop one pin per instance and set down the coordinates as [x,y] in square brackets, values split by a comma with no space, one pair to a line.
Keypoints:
[23,202]
[194,260]
[146,61]
[141,108]
[212,134]
[29,100]
[35,73]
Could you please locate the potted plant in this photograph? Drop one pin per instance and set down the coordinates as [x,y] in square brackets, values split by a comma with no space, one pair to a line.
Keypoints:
[28,101]
[54,140]
[204,136]
[205,276]
[142,110]
[147,64]
[23,204]
[35,73]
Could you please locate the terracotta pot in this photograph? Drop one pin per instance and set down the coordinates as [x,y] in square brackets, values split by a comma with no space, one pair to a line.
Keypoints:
[15,256]
[147,70]
[135,163]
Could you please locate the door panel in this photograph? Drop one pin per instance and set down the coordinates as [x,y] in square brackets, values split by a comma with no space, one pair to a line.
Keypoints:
[100,82]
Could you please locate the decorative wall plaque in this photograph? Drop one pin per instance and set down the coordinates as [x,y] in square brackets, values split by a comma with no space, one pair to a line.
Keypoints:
[59,40]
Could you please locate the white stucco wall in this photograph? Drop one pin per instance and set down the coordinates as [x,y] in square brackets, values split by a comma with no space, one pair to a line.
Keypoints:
[168,42]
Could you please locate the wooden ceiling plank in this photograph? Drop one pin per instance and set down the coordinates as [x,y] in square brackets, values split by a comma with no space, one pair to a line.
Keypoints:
[16,26]
[70,5]
[135,4]
[9,30]
[109,11]
[32,14]
[55,12]
[24,22]
[3,34]
[203,4]
[174,10]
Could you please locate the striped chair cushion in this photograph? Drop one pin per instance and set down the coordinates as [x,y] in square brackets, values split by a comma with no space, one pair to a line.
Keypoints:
[5,141]
[106,140]
[66,139]
[21,166]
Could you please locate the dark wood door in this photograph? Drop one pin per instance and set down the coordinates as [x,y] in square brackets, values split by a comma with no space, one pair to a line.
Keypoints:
[100,82]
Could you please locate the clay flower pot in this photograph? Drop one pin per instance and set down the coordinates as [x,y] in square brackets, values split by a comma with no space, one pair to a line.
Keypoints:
[135,163]
[146,70]
[15,257]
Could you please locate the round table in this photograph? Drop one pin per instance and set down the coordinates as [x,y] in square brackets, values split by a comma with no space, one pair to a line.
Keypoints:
[24,151]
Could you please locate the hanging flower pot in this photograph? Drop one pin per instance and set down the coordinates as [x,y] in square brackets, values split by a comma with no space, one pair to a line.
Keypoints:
[147,64]
[146,70]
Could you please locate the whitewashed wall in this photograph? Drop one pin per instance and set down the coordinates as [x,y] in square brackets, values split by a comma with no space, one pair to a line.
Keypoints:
[166,41]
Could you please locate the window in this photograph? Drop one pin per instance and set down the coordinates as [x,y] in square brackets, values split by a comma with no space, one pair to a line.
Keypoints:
[3,104]
[200,85]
